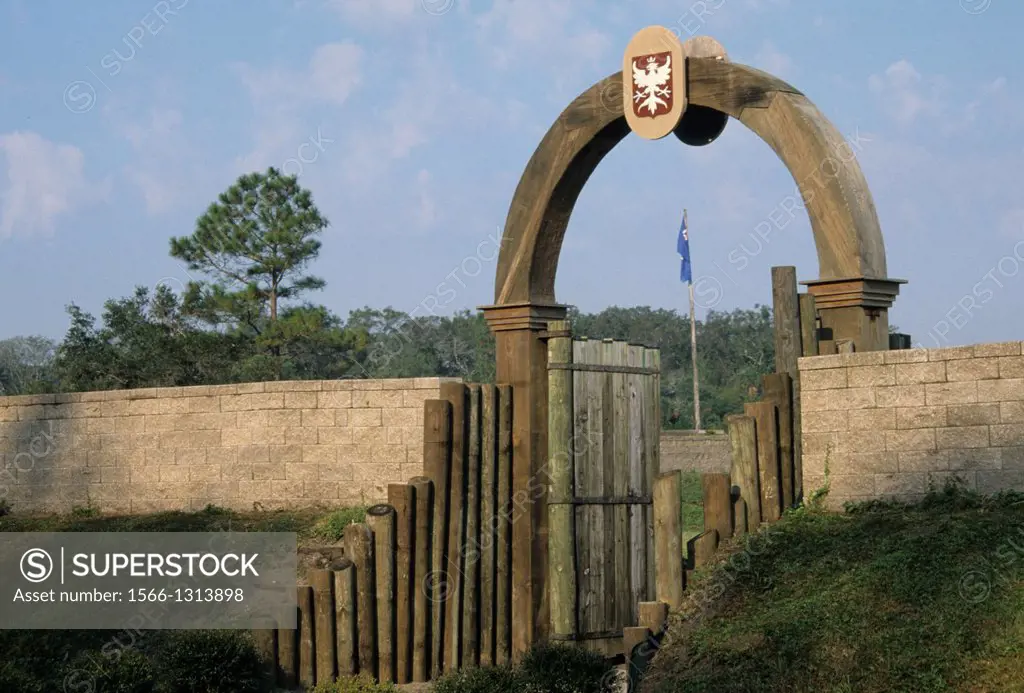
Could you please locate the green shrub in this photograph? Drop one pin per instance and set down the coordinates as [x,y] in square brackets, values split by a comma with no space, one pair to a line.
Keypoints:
[500,679]
[5,507]
[129,672]
[210,661]
[332,527]
[355,684]
[563,668]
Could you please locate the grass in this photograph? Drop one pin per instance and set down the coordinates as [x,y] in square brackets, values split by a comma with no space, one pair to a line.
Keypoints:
[924,598]
[312,526]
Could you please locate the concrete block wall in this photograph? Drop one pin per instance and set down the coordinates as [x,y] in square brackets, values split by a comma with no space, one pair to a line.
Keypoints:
[697,452]
[254,445]
[889,423]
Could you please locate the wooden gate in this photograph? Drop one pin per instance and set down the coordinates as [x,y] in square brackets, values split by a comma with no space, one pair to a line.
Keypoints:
[603,430]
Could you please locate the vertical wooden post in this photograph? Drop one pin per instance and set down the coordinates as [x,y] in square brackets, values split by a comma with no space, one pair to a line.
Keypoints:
[561,511]
[403,499]
[637,647]
[503,540]
[471,552]
[789,338]
[739,517]
[702,547]
[778,389]
[668,550]
[605,352]
[307,637]
[322,582]
[345,617]
[743,443]
[626,605]
[437,440]
[809,337]
[766,421]
[808,325]
[488,520]
[458,395]
[786,315]
[653,616]
[359,549]
[419,584]
[716,491]
[381,520]
[288,654]
[265,640]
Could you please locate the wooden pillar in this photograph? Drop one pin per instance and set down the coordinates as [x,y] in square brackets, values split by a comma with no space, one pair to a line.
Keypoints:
[345,618]
[489,519]
[766,420]
[521,355]
[786,319]
[322,582]
[381,521]
[778,389]
[856,308]
[743,443]
[808,325]
[422,649]
[437,466]
[788,348]
[307,637]
[716,491]
[458,395]
[288,654]
[503,534]
[668,549]
[402,497]
[561,511]
[359,549]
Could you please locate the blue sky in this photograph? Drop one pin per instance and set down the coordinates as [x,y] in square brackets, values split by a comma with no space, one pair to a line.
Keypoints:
[120,121]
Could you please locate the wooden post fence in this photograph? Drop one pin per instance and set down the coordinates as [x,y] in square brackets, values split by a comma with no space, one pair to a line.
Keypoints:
[668,550]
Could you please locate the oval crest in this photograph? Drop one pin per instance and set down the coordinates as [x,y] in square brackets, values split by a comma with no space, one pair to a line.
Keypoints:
[654,82]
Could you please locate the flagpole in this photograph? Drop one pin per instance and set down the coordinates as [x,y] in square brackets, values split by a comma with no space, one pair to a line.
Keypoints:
[693,349]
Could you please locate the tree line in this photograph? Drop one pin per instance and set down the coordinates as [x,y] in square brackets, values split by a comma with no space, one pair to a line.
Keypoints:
[250,319]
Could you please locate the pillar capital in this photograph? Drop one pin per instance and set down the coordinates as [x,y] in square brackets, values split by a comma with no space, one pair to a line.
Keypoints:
[522,316]
[854,292]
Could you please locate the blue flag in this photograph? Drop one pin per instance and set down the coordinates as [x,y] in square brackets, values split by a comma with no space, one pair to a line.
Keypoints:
[683,247]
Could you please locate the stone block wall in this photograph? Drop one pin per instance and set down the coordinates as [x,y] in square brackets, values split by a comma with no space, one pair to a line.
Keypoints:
[254,445]
[697,452]
[890,423]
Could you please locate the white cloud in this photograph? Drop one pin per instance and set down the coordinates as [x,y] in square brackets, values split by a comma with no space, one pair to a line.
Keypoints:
[549,31]
[45,180]
[905,94]
[280,98]
[166,164]
[368,11]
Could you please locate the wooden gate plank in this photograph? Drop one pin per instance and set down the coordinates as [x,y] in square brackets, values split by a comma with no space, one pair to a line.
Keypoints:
[625,604]
[652,446]
[561,539]
[640,564]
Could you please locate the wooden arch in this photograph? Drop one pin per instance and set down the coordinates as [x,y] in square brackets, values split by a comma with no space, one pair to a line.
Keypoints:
[841,210]
[853,292]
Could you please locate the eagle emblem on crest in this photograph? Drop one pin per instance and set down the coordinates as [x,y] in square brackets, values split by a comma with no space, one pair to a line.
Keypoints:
[652,84]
